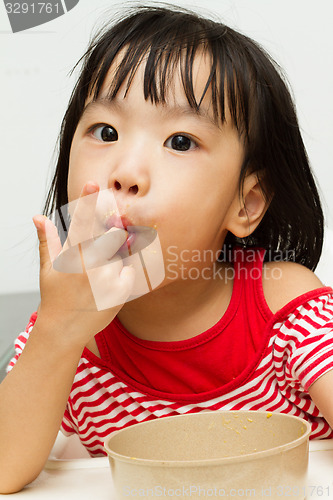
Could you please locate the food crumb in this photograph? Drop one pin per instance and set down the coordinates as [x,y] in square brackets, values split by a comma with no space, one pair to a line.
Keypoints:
[269,415]
[244,427]
[250,420]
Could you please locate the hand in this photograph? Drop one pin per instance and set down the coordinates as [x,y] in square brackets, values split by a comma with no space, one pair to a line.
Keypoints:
[86,297]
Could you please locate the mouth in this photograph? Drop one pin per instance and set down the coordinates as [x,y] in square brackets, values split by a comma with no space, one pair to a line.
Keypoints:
[138,237]
[119,221]
[127,246]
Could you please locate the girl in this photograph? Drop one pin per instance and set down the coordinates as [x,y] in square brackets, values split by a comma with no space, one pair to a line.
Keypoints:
[191,127]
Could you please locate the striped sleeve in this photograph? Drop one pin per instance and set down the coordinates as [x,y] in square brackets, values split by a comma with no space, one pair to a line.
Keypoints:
[21,341]
[67,425]
[303,349]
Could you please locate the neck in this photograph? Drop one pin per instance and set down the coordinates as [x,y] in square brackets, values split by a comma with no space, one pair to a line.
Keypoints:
[178,310]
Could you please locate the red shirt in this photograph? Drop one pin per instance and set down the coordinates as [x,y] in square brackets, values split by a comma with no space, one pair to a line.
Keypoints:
[207,361]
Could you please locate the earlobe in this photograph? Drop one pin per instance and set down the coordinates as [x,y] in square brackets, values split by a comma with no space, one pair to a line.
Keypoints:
[249,211]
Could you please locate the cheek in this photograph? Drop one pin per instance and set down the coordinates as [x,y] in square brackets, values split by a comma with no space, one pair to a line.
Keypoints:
[75,182]
[87,163]
[80,171]
[72,182]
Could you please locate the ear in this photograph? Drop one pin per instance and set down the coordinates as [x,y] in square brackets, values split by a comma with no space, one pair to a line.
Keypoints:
[246,214]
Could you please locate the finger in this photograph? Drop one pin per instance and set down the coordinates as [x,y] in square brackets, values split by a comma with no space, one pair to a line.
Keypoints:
[100,251]
[69,261]
[49,241]
[82,221]
[110,285]
[90,254]
[127,279]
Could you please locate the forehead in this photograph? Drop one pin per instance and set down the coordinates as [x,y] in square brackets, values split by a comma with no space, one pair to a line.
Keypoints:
[171,93]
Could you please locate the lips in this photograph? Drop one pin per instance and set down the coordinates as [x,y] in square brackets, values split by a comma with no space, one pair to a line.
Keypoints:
[119,221]
[138,238]
[126,248]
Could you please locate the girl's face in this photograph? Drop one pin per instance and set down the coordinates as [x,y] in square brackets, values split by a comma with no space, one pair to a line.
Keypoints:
[168,166]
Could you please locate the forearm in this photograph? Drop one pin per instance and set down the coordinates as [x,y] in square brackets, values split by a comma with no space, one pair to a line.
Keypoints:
[33,398]
[321,394]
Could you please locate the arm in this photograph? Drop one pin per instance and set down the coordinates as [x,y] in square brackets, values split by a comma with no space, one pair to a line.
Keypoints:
[296,280]
[33,398]
[34,394]
[321,393]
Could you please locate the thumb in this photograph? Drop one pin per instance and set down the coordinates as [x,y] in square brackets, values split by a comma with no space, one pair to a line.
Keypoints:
[49,241]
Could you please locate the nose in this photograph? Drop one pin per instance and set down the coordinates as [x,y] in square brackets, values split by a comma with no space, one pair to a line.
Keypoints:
[131,189]
[130,177]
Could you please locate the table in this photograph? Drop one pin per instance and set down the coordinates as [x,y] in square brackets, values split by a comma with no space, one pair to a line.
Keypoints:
[84,478]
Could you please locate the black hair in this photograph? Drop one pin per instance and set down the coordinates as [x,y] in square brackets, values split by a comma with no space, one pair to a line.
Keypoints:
[257,96]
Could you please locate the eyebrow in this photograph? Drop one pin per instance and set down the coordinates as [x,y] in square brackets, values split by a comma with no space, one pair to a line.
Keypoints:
[167,111]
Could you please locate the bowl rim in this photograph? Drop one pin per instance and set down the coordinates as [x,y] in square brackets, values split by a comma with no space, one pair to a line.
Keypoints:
[211,461]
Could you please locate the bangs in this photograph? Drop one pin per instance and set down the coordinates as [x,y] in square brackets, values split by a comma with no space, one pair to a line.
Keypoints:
[166,47]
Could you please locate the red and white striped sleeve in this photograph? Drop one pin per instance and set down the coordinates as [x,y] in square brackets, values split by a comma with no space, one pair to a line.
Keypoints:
[67,425]
[303,348]
[21,341]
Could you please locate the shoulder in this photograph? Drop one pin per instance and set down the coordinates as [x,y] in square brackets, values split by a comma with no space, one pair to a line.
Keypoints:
[284,281]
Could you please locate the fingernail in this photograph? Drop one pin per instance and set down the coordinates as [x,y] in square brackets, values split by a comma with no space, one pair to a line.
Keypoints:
[37,221]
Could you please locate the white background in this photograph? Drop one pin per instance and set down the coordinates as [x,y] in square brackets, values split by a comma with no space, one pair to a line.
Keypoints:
[35,88]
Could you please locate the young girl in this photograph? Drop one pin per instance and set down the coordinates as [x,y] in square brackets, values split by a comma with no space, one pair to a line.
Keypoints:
[192,128]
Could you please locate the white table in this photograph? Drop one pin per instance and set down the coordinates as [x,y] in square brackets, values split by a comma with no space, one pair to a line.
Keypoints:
[83,478]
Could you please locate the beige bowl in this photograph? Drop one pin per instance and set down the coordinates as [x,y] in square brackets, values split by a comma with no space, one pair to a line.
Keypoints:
[212,454]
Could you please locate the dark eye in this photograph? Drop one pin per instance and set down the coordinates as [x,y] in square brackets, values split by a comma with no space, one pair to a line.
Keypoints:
[180,142]
[105,133]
